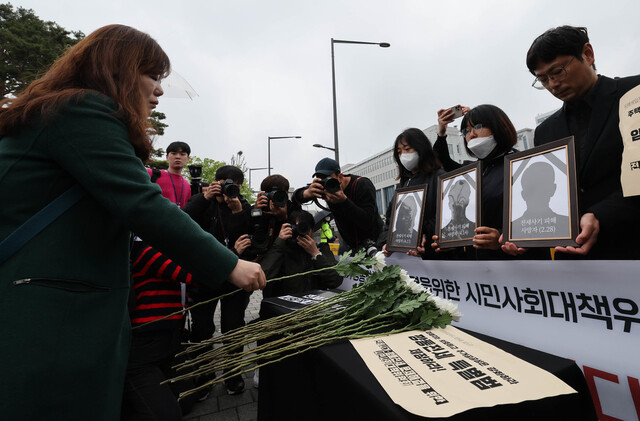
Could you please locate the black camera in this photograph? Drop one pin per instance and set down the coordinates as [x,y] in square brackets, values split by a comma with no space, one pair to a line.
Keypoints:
[369,247]
[258,234]
[278,197]
[197,184]
[301,228]
[230,189]
[330,184]
[297,230]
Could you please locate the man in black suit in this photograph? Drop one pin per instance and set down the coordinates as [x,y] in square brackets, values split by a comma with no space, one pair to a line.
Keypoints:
[562,60]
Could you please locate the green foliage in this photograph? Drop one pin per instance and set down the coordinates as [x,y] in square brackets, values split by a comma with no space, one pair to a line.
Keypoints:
[161,164]
[157,126]
[209,168]
[28,47]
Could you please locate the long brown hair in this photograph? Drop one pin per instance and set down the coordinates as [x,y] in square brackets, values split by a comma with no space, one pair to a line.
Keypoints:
[110,60]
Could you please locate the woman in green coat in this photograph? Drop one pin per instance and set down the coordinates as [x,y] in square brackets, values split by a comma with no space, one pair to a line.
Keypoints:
[63,296]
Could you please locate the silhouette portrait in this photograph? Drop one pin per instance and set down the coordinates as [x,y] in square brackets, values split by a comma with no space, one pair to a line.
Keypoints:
[406,220]
[404,232]
[459,226]
[539,220]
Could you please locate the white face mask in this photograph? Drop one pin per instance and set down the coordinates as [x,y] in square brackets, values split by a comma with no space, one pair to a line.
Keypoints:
[410,160]
[482,146]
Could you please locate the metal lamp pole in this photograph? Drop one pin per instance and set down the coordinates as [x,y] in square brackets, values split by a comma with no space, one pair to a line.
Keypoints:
[254,169]
[269,148]
[333,81]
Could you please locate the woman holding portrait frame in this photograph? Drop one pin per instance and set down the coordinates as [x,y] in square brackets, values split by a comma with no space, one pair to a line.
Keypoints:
[488,135]
[417,165]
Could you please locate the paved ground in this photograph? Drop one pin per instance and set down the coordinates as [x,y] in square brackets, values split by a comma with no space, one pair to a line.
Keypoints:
[223,407]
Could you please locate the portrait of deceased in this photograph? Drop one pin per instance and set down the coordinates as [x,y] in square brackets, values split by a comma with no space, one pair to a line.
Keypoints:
[541,197]
[406,223]
[457,212]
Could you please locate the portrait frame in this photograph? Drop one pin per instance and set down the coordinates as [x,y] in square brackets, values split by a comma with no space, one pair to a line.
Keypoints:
[444,213]
[554,220]
[418,196]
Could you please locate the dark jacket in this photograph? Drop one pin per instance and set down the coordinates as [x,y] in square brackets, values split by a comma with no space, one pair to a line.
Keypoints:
[217,219]
[287,259]
[429,212]
[492,191]
[599,156]
[357,218]
[66,332]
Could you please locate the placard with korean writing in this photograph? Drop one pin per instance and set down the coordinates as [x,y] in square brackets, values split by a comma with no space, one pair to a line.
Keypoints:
[458,207]
[442,372]
[540,196]
[406,219]
[629,112]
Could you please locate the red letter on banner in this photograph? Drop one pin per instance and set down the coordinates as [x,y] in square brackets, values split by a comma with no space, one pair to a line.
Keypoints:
[589,374]
[634,387]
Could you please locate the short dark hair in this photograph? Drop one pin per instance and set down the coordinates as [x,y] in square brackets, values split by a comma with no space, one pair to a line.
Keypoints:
[497,121]
[274,180]
[302,216]
[229,171]
[179,147]
[419,141]
[561,41]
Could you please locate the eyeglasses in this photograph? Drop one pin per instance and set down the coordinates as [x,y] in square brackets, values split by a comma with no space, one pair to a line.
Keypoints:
[558,74]
[475,128]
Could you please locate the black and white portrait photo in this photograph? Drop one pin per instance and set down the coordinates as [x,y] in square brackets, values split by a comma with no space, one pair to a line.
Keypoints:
[407,218]
[458,208]
[540,198]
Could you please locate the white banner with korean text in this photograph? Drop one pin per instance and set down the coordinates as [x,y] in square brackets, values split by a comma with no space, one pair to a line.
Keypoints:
[589,312]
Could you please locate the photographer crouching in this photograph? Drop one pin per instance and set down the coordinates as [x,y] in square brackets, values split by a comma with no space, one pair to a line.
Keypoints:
[351,199]
[294,251]
[275,207]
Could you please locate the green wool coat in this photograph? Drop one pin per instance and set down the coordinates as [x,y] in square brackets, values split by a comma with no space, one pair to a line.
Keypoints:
[65,334]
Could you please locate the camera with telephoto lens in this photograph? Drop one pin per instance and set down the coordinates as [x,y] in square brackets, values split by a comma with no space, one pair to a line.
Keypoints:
[258,234]
[330,184]
[297,230]
[230,189]
[278,197]
[195,170]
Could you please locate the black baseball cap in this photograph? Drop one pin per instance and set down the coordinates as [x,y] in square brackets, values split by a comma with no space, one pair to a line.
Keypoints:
[326,167]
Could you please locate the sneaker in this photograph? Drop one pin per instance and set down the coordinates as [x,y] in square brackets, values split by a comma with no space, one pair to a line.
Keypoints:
[204,394]
[234,385]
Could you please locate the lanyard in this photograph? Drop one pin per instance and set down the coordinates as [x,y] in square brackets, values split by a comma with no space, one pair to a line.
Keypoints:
[175,193]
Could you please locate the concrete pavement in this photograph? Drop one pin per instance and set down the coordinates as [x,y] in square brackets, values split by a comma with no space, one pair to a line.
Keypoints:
[223,407]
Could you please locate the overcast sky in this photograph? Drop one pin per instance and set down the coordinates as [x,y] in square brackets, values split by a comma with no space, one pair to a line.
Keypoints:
[263,68]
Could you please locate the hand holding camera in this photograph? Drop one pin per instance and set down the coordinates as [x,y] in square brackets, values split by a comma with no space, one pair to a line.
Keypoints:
[242,243]
[285,232]
[308,245]
[233,203]
[214,190]
[262,202]
[314,190]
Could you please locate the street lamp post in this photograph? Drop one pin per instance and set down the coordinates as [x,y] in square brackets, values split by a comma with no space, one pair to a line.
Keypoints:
[269,148]
[317,145]
[254,169]
[333,80]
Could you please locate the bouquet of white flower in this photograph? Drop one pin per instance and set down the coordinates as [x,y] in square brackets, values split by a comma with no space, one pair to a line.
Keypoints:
[387,302]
